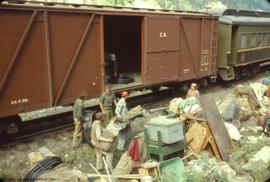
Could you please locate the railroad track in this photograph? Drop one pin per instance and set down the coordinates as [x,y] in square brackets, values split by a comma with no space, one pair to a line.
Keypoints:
[37,128]
[31,136]
[46,125]
[39,133]
[43,126]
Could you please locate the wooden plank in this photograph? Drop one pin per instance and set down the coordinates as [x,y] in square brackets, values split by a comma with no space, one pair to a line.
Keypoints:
[143,172]
[124,176]
[213,143]
[217,126]
[214,148]
[253,101]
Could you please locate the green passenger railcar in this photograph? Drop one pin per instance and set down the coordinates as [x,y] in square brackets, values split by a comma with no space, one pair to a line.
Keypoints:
[244,43]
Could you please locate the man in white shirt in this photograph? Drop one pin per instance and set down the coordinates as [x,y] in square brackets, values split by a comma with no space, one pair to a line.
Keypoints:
[98,141]
[120,111]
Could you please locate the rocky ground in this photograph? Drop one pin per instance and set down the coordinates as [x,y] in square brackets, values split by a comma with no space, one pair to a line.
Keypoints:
[14,159]
[242,166]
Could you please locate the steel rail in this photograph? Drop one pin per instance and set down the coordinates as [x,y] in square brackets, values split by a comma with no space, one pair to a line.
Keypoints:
[143,99]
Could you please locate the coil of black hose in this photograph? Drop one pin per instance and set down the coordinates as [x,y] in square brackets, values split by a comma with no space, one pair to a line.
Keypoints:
[41,167]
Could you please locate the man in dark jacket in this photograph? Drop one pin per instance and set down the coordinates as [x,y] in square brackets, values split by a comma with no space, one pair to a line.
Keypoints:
[106,102]
[78,113]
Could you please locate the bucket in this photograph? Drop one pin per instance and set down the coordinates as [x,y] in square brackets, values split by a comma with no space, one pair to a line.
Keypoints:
[172,170]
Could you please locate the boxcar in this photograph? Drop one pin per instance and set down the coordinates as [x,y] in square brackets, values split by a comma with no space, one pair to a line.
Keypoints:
[50,53]
[244,43]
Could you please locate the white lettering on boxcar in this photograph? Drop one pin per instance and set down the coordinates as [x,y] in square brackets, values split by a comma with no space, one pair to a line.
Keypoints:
[162,34]
[19,101]
[186,70]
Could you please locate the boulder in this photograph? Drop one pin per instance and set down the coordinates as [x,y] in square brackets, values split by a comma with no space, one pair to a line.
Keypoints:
[258,165]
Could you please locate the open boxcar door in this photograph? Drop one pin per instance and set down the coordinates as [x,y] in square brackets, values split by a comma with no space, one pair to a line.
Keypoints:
[161,49]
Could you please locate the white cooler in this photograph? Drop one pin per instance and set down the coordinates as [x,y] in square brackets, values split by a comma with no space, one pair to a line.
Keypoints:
[171,129]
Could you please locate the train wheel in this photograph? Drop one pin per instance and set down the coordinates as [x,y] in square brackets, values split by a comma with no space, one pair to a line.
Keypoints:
[183,87]
[237,75]
[2,128]
[245,72]
[155,89]
[203,82]
[10,125]
[12,128]
[249,72]
[255,69]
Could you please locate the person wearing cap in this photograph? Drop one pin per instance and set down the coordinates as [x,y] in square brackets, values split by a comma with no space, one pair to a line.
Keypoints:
[121,106]
[78,114]
[98,140]
[106,101]
[120,111]
[193,92]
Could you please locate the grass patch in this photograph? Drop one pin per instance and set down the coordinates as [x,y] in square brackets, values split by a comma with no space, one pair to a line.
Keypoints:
[8,175]
[80,158]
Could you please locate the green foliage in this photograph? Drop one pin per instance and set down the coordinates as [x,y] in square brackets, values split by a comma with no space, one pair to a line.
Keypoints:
[194,177]
[203,4]
[191,5]
[260,171]
[112,2]
[9,175]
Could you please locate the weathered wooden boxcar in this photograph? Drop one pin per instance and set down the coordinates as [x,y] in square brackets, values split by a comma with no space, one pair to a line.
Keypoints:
[244,43]
[49,53]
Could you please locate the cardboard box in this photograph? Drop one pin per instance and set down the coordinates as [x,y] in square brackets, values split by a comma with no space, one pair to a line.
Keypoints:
[34,158]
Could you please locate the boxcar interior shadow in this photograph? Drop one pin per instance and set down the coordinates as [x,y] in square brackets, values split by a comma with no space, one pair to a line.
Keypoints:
[122,50]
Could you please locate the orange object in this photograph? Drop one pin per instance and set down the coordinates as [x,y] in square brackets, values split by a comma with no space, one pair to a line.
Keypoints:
[268,91]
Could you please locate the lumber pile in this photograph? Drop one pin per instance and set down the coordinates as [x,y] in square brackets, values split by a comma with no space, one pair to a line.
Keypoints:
[134,112]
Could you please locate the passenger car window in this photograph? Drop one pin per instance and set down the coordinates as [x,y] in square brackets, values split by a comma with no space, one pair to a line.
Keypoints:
[253,41]
[258,40]
[243,41]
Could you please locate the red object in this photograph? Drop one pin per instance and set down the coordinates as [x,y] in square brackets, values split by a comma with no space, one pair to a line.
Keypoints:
[134,151]
[124,94]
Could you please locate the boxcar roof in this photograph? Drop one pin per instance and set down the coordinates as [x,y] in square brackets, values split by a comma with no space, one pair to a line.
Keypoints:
[116,10]
[245,17]
[244,20]
[236,12]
